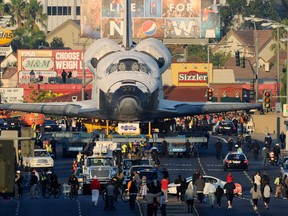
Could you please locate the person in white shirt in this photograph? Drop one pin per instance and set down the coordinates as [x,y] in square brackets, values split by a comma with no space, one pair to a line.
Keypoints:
[209,191]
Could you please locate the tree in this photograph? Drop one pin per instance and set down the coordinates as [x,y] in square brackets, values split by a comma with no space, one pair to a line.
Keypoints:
[35,18]
[41,95]
[16,10]
[57,42]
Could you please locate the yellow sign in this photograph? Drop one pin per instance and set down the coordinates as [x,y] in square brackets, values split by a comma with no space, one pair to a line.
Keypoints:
[191,74]
[6,36]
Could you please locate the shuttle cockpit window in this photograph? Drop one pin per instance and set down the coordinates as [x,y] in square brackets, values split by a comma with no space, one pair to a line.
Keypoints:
[128,65]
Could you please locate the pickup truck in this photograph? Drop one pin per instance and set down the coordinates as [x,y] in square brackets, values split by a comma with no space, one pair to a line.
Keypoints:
[41,159]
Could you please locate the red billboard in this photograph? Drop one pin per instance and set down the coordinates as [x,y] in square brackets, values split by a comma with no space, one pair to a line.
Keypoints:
[152,18]
[49,65]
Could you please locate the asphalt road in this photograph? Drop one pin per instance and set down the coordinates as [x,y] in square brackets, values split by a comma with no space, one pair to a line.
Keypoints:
[205,162]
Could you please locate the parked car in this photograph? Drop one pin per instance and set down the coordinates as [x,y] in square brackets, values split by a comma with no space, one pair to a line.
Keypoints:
[51,125]
[224,127]
[216,181]
[235,160]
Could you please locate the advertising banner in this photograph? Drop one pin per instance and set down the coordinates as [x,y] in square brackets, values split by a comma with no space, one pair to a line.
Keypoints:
[128,128]
[48,65]
[152,18]
[12,95]
[190,74]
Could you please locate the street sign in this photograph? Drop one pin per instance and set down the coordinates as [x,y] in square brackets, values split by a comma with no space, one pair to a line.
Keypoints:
[278,107]
[5,51]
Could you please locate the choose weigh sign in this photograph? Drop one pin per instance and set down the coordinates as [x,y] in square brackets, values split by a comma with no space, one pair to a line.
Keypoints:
[6,36]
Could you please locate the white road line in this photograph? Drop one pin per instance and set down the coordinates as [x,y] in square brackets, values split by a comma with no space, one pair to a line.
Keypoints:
[17,208]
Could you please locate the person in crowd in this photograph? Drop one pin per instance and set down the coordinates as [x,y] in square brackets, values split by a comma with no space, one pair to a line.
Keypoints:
[178,181]
[229,186]
[189,198]
[18,185]
[165,149]
[229,178]
[164,187]
[74,166]
[155,206]
[218,147]
[137,179]
[257,179]
[110,195]
[73,182]
[183,188]
[149,199]
[264,154]
[33,185]
[278,185]
[32,76]
[162,204]
[54,143]
[282,138]
[219,194]
[285,186]
[64,76]
[256,195]
[44,182]
[200,184]
[268,141]
[209,191]
[277,152]
[230,143]
[95,188]
[188,148]
[266,193]
[256,149]
[133,190]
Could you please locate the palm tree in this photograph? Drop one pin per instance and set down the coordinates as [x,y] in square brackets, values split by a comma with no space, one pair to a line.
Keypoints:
[35,18]
[16,8]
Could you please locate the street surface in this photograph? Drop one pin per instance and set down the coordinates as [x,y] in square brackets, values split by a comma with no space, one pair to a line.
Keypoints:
[205,161]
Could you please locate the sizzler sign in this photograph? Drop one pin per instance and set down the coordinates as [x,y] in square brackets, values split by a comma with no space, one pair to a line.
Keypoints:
[193,77]
[6,36]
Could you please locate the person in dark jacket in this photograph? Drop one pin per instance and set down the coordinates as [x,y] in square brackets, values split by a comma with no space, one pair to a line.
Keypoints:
[219,193]
[256,149]
[133,193]
[229,193]
[183,188]
[178,181]
[218,147]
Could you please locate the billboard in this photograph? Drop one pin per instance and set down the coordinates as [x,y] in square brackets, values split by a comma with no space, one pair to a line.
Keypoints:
[152,18]
[6,36]
[50,64]
[12,95]
[191,74]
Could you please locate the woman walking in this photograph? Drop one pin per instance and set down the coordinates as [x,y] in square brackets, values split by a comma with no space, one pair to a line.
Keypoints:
[266,195]
[256,194]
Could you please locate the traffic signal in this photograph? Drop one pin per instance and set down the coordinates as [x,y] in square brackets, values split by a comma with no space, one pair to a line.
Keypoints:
[237,56]
[209,94]
[243,62]
[267,99]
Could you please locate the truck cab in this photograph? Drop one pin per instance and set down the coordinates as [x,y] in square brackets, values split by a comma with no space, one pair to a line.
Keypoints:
[101,163]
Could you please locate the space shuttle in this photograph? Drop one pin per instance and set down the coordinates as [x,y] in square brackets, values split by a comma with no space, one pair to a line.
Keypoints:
[127,84]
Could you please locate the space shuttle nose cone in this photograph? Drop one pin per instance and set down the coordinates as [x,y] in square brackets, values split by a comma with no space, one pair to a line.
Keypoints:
[128,106]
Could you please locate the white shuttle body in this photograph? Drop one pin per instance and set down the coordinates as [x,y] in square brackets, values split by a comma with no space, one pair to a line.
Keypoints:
[127,84]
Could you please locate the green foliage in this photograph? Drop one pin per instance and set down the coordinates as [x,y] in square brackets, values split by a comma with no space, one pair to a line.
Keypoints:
[41,95]
[57,42]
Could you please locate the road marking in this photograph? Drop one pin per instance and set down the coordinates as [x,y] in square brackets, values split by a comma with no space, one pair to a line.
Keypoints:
[214,165]
[178,164]
[79,208]
[17,208]
[215,170]
[182,169]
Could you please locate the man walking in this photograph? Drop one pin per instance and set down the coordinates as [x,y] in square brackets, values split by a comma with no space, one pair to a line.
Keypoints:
[218,147]
[264,153]
[255,149]
[95,187]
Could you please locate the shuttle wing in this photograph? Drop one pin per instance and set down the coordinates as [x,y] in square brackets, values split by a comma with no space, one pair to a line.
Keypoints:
[172,108]
[73,109]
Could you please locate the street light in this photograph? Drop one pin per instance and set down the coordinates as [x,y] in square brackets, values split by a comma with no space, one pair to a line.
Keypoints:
[254,20]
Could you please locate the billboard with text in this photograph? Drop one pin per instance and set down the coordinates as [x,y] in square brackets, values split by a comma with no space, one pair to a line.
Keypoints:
[50,64]
[152,18]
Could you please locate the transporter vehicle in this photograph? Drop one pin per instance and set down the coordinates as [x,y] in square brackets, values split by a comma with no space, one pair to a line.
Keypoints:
[101,163]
